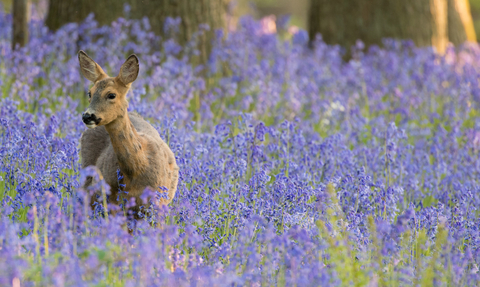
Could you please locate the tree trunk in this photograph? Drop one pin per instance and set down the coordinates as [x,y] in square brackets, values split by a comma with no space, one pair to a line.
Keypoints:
[20,23]
[61,12]
[426,22]
[439,10]
[460,23]
[192,12]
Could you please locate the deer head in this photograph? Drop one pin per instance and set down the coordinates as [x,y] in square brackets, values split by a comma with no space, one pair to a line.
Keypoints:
[107,97]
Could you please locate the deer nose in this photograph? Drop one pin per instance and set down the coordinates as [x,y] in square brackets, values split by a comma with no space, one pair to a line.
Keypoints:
[88,118]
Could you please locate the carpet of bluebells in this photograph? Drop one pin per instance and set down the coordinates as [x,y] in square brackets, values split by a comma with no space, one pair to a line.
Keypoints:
[297,167]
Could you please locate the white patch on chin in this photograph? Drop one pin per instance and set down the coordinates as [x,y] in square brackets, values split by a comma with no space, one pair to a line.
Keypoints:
[91,126]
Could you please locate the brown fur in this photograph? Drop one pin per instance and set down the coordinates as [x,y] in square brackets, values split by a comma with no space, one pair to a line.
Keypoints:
[123,140]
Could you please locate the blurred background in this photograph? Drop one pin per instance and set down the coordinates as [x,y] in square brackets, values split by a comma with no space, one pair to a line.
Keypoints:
[426,22]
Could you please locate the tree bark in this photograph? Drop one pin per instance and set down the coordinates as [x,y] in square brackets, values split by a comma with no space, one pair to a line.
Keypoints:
[192,12]
[20,23]
[426,22]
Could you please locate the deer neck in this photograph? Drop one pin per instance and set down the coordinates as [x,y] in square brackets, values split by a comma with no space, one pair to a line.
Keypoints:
[127,145]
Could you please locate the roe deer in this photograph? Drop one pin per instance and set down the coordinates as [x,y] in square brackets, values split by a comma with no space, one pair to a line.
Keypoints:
[117,139]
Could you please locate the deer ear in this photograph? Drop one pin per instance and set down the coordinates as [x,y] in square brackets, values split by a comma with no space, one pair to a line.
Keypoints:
[129,70]
[90,70]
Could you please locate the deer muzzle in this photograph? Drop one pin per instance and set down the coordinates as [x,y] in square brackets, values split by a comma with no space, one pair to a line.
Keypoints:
[90,120]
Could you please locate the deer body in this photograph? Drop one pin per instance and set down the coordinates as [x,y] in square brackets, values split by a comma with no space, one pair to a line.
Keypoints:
[121,140]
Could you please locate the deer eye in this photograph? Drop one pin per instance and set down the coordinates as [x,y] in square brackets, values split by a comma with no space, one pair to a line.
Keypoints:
[89,95]
[111,96]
